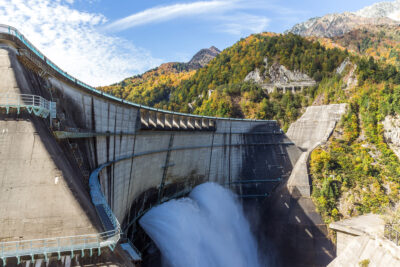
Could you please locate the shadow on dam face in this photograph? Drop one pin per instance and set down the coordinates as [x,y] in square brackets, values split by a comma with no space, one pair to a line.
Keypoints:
[47,159]
[292,226]
[287,231]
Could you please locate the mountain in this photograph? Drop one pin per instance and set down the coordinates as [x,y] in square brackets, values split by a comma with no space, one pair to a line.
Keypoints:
[203,57]
[355,172]
[331,25]
[232,84]
[381,10]
[380,41]
[337,24]
[154,86]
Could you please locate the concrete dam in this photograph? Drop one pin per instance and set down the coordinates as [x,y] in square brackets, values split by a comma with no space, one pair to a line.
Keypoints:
[78,167]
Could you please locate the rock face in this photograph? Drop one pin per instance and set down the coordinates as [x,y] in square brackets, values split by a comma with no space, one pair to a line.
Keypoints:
[203,57]
[342,66]
[255,76]
[279,76]
[384,13]
[350,77]
[333,25]
[391,126]
[380,10]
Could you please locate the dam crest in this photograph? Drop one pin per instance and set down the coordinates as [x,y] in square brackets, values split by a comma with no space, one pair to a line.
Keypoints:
[79,167]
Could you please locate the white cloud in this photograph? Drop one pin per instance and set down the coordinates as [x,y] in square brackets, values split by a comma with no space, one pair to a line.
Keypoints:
[229,15]
[71,39]
[238,24]
[163,13]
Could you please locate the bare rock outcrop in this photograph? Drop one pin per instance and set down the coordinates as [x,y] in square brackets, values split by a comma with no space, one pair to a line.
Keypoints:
[350,77]
[383,13]
[203,57]
[343,66]
[278,76]
[332,25]
[391,126]
[254,76]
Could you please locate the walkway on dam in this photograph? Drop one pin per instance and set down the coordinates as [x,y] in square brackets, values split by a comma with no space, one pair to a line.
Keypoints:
[38,196]
[138,156]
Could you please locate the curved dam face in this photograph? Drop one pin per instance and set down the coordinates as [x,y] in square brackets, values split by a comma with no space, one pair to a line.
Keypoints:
[147,156]
[150,166]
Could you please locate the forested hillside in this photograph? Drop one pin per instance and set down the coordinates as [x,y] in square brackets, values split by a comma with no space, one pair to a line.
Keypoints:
[355,172]
[379,41]
[219,88]
[153,87]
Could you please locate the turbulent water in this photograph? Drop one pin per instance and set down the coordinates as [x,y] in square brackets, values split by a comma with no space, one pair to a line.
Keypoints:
[206,229]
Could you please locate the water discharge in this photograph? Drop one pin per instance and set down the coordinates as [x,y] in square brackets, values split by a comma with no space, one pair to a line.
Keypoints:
[208,228]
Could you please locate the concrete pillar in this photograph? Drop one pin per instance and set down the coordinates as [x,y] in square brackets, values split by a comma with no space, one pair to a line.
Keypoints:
[160,120]
[175,122]
[152,119]
[183,122]
[190,123]
[168,121]
[197,123]
[204,123]
[144,118]
[211,125]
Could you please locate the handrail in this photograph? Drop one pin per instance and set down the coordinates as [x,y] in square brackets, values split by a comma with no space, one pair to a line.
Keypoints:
[392,234]
[97,195]
[33,103]
[58,245]
[6,29]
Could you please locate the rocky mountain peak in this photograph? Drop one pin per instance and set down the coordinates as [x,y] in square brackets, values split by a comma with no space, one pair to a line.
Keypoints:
[331,25]
[203,57]
[381,10]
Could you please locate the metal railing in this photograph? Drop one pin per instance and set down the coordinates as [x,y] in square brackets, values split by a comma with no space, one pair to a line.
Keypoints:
[392,234]
[6,29]
[70,244]
[32,103]
[57,245]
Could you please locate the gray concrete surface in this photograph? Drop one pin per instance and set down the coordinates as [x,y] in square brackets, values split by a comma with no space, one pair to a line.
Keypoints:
[292,223]
[361,238]
[173,161]
[44,180]
[36,200]
[312,129]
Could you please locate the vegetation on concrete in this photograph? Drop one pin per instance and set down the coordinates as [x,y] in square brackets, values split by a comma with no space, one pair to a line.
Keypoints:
[364,263]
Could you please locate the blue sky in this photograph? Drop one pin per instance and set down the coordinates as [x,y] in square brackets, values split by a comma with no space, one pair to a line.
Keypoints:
[104,41]
[179,37]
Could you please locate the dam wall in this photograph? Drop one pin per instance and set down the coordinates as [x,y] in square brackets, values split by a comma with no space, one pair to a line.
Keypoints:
[141,156]
[293,223]
[150,166]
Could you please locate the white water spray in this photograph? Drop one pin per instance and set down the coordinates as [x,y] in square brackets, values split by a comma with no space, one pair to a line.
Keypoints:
[206,229]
